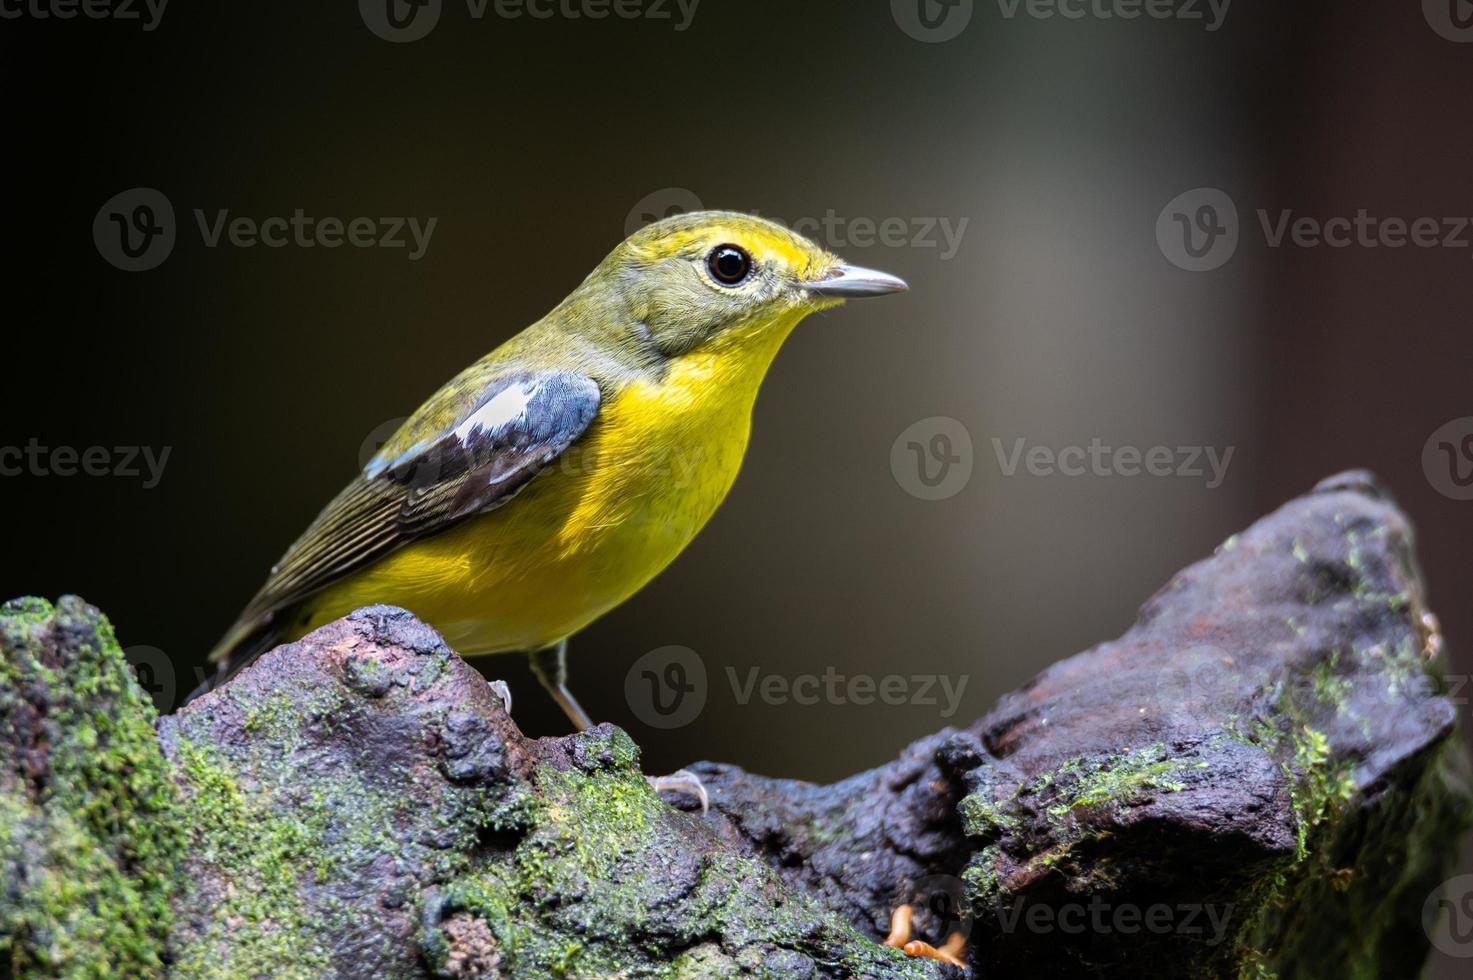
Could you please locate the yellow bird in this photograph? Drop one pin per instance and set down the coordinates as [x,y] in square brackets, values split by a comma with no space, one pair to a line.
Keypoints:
[549,481]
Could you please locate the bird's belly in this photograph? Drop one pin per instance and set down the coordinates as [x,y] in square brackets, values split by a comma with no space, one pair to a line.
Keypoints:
[585,535]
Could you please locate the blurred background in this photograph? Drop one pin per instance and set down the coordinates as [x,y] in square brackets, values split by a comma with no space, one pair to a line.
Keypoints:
[1024,173]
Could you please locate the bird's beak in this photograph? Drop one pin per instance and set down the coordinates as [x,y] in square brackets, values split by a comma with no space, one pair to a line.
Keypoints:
[844,281]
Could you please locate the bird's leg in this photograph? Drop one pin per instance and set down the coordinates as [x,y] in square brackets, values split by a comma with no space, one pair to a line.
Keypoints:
[550,666]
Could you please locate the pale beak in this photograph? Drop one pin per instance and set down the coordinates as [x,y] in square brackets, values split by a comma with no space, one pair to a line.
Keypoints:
[845,281]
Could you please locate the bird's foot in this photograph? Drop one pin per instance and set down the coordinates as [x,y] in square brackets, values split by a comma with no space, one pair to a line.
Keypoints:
[953,951]
[682,783]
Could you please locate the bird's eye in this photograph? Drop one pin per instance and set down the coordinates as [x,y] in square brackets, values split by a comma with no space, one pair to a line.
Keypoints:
[729,264]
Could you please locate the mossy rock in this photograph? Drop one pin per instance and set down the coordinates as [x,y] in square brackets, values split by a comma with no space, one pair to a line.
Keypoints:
[1269,746]
[90,829]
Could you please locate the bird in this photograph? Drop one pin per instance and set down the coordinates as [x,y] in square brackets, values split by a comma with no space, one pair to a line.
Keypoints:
[553,478]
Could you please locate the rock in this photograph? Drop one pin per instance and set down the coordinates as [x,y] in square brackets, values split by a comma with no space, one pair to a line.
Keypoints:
[361,804]
[1260,777]
[1269,743]
[90,834]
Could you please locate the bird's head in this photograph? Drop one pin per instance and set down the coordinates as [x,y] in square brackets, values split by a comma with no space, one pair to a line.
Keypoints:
[714,277]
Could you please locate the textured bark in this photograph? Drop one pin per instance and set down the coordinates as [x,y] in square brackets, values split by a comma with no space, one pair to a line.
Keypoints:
[1261,777]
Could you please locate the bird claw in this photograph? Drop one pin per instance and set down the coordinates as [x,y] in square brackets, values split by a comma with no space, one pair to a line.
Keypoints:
[502,691]
[682,781]
[953,951]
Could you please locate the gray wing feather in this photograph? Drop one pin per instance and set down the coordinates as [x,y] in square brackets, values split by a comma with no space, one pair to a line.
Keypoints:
[522,421]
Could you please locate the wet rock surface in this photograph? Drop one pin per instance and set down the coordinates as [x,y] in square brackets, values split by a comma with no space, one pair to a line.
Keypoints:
[1261,777]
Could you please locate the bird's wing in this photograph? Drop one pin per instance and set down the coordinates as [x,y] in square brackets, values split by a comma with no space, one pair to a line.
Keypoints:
[421,484]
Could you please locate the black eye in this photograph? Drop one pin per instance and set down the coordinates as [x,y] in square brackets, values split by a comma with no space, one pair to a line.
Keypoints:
[729,265]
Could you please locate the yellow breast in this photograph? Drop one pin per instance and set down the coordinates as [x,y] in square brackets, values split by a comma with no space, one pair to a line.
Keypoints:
[593,527]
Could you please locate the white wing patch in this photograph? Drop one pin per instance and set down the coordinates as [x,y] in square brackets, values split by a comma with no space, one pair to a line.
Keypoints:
[529,420]
[507,407]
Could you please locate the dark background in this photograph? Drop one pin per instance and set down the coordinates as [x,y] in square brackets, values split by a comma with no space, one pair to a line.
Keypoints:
[1059,320]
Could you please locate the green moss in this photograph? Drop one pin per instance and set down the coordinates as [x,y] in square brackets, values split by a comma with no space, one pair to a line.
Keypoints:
[1122,778]
[1329,685]
[1081,782]
[983,817]
[1058,795]
[1318,784]
[573,898]
[275,831]
[259,927]
[88,847]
